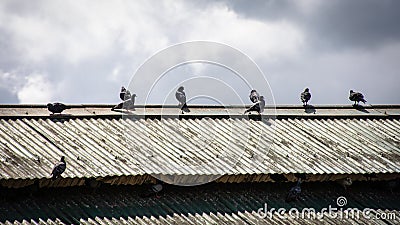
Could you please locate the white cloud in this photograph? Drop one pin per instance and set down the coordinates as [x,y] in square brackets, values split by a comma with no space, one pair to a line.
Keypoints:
[37,89]
[9,80]
[259,39]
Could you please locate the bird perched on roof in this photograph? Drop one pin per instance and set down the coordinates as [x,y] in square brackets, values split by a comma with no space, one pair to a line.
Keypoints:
[57,107]
[128,100]
[127,104]
[181,97]
[345,182]
[254,96]
[392,185]
[133,97]
[59,168]
[356,97]
[294,192]
[257,107]
[124,94]
[305,96]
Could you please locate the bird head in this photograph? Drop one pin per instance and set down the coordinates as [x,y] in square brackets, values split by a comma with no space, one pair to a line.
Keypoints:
[49,104]
[62,159]
[351,91]
[123,88]
[181,88]
[261,97]
[307,90]
[252,91]
[134,96]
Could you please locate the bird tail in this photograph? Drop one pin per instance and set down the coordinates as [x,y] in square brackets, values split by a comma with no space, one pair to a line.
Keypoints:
[119,106]
[185,108]
[363,101]
[68,107]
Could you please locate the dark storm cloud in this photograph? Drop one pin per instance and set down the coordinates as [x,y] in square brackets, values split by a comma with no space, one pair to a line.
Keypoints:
[336,24]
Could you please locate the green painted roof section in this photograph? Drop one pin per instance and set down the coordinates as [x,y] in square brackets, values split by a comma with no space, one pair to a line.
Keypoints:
[70,205]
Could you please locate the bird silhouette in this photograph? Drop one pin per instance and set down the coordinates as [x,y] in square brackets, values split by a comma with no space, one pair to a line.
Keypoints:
[59,168]
[305,96]
[128,100]
[124,94]
[57,107]
[132,106]
[257,107]
[356,97]
[345,182]
[181,97]
[254,96]
[294,192]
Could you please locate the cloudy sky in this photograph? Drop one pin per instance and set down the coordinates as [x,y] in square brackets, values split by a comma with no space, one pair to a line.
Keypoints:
[83,51]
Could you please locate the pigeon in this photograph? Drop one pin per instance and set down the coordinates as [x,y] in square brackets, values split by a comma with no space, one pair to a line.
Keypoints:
[305,96]
[258,106]
[345,182]
[294,192]
[153,190]
[57,107]
[356,97]
[133,100]
[254,96]
[124,94]
[392,185]
[59,168]
[181,97]
[128,100]
[127,104]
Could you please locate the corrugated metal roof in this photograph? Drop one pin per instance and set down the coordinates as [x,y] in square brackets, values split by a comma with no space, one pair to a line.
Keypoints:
[245,218]
[112,146]
[207,204]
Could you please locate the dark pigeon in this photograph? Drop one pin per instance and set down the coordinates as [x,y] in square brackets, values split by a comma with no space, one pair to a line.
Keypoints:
[181,97]
[59,168]
[294,192]
[356,97]
[128,100]
[345,182]
[254,96]
[133,97]
[124,94]
[57,107]
[305,96]
[258,107]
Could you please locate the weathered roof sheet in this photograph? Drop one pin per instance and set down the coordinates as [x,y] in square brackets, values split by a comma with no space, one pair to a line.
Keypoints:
[244,218]
[115,146]
[206,204]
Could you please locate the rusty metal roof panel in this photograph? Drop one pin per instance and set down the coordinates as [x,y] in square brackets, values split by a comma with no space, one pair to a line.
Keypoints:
[113,146]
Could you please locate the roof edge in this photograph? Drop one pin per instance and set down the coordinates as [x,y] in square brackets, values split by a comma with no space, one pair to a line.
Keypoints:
[283,106]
